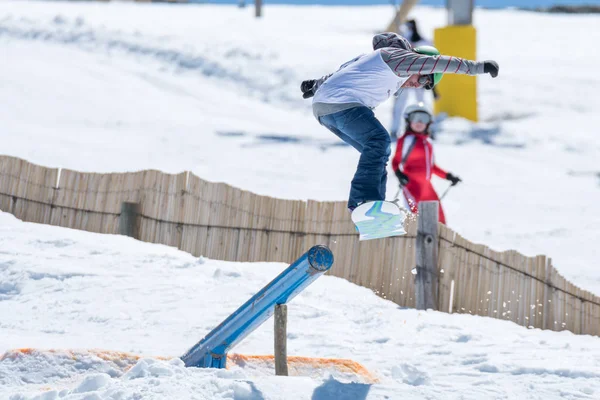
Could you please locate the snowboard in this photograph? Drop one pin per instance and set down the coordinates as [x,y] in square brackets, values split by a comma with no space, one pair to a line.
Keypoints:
[379,219]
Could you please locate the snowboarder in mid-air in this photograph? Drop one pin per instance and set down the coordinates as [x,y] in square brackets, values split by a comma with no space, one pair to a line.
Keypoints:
[343,101]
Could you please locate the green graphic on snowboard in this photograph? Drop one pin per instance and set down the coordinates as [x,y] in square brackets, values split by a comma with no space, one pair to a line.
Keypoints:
[378,219]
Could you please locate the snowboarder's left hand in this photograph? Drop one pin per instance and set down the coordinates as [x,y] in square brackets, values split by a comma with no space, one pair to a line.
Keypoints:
[491,67]
[307,88]
[453,178]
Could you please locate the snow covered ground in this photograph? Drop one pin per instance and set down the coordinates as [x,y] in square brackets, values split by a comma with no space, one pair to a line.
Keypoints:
[118,87]
[121,86]
[73,290]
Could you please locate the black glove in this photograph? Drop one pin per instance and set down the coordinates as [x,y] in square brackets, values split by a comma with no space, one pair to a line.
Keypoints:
[402,178]
[491,67]
[453,178]
[307,88]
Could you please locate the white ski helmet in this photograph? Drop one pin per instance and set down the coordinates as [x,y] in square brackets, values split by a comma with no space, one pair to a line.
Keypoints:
[420,106]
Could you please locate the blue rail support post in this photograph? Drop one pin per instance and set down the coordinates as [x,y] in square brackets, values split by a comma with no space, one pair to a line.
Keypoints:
[211,352]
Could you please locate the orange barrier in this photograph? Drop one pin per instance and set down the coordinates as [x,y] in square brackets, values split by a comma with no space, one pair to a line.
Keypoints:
[262,365]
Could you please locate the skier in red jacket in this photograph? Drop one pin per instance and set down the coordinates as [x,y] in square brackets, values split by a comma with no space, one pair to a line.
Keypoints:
[413,161]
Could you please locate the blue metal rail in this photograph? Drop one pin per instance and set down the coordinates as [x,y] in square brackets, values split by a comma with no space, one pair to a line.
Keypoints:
[211,352]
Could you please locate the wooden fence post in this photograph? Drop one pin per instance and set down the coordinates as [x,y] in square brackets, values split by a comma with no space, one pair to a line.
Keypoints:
[258,8]
[427,279]
[281,366]
[129,220]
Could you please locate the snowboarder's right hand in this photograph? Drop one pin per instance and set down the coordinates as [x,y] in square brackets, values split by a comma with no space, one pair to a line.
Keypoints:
[402,178]
[307,88]
[491,67]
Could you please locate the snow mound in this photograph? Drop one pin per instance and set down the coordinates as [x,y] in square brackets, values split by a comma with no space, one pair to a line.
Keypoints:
[338,368]
[32,366]
[99,374]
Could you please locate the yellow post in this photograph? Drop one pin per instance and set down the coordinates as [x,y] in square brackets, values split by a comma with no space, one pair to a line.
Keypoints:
[458,93]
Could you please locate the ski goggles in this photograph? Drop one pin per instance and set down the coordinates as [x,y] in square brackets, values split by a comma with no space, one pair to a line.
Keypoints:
[419,116]
[426,81]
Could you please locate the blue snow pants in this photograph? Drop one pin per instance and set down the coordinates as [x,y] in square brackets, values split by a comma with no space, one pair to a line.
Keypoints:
[359,128]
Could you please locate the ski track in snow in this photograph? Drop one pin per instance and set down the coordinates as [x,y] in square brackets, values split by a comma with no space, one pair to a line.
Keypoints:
[234,66]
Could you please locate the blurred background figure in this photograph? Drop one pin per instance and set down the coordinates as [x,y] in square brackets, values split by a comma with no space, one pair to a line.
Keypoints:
[413,162]
[410,31]
[409,95]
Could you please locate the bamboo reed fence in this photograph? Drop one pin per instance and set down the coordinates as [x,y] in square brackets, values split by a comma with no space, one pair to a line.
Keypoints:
[222,222]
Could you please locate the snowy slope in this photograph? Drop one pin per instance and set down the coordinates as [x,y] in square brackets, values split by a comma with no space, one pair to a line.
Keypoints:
[116,87]
[72,291]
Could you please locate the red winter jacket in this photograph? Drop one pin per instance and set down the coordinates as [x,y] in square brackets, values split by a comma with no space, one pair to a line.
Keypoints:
[418,165]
